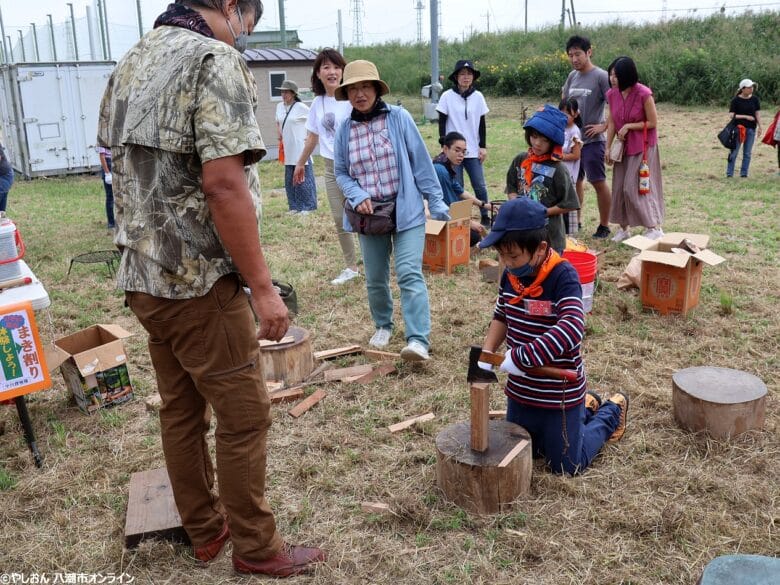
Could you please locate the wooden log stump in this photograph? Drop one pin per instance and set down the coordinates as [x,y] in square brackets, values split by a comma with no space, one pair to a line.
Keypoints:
[484,482]
[721,401]
[290,362]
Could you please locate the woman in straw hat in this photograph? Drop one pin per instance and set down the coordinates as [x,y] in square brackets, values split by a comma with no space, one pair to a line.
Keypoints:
[291,116]
[744,110]
[382,163]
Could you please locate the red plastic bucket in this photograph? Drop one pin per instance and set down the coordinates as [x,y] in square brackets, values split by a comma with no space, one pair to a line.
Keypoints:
[586,265]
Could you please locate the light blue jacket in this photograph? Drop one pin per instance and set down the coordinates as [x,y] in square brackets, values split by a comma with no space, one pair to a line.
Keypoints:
[418,179]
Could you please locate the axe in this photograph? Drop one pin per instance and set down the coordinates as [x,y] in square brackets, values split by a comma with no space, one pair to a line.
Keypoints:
[477,374]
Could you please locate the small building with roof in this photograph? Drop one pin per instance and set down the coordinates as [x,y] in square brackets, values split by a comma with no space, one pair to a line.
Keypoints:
[271,66]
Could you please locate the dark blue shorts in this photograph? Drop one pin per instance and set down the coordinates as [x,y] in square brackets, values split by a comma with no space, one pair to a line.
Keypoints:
[592,163]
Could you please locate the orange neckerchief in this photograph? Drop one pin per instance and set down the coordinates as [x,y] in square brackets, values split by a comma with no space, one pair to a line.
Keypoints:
[535,288]
[526,166]
[742,134]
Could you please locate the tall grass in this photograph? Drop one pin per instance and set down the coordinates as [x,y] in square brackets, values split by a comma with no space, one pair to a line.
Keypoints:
[686,61]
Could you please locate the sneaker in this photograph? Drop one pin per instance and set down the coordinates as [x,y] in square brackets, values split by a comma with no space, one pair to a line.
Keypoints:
[415,352]
[380,338]
[621,235]
[212,550]
[346,275]
[654,233]
[602,232]
[293,212]
[290,560]
[621,400]
[592,401]
[304,212]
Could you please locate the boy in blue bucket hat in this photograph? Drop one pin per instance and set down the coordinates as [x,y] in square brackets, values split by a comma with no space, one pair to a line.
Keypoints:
[539,315]
[539,175]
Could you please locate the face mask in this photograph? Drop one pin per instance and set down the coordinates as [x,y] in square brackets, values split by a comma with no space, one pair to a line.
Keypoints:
[522,271]
[240,41]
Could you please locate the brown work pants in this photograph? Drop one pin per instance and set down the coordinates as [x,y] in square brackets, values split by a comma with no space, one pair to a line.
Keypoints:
[205,352]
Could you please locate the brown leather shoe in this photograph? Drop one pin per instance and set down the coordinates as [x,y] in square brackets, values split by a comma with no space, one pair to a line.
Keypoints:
[290,560]
[212,550]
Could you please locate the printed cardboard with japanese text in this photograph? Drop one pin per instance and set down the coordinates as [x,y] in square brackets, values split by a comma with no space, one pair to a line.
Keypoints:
[23,368]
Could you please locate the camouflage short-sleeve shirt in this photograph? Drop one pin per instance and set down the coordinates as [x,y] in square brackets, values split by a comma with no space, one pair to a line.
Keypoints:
[176,100]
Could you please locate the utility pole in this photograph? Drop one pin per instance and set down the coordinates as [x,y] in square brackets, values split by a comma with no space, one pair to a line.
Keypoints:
[419,8]
[282,25]
[525,20]
[140,18]
[73,28]
[10,48]
[5,46]
[563,14]
[51,34]
[21,43]
[357,23]
[574,16]
[435,86]
[90,33]
[487,20]
[108,37]
[35,42]
[101,28]
[341,35]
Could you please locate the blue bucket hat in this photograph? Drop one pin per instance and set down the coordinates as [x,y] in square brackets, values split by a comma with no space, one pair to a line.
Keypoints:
[550,122]
[516,215]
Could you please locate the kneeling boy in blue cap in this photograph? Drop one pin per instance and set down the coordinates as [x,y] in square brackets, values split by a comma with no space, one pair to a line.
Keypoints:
[540,316]
[539,175]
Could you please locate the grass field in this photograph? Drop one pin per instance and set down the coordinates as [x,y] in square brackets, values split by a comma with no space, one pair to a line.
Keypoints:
[653,509]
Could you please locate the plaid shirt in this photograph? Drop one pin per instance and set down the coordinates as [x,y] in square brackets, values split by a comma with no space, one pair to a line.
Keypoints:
[372,160]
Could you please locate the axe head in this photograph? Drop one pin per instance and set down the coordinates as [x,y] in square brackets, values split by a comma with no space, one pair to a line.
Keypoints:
[475,373]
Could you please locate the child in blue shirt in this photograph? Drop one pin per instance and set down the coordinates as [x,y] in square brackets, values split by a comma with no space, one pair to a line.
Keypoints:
[540,316]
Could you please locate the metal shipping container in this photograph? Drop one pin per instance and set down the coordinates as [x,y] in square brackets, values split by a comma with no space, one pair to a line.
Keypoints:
[50,113]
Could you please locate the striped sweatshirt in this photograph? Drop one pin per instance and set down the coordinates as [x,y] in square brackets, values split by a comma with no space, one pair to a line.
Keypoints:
[545,331]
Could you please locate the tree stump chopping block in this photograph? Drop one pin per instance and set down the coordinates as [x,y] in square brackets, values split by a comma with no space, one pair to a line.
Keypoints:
[721,401]
[484,482]
[289,362]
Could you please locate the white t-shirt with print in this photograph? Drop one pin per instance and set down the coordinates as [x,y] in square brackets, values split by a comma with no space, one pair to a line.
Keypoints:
[570,134]
[325,116]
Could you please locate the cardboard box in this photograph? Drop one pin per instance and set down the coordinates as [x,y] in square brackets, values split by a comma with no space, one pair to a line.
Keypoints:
[93,363]
[447,242]
[671,276]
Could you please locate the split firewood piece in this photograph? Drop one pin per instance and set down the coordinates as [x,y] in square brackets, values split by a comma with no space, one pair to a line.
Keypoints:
[378,372]
[318,370]
[285,395]
[339,351]
[340,374]
[375,508]
[513,453]
[273,385]
[282,341]
[374,354]
[153,403]
[497,414]
[307,403]
[409,422]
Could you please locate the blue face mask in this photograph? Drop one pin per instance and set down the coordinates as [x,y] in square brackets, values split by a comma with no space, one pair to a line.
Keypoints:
[239,41]
[522,271]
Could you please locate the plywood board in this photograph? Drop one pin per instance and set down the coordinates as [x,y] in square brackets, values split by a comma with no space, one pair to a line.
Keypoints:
[151,510]
[282,341]
[307,403]
[286,395]
[341,373]
[339,351]
[409,422]
[375,354]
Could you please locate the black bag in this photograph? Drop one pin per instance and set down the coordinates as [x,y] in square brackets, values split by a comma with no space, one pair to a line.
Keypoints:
[381,222]
[729,136]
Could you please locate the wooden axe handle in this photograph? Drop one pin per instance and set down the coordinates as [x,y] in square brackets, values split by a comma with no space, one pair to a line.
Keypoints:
[497,359]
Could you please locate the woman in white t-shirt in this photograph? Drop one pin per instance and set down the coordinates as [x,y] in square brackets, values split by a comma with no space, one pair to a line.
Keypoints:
[291,116]
[463,109]
[325,116]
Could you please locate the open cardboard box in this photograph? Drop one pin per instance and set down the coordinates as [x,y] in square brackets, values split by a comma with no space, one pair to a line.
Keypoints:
[93,363]
[671,280]
[447,242]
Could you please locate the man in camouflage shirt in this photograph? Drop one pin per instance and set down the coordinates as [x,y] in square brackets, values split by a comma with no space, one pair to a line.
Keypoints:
[178,116]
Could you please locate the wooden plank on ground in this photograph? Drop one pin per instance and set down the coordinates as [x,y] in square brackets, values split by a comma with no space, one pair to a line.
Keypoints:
[513,453]
[339,351]
[379,371]
[342,373]
[307,403]
[375,507]
[375,354]
[496,414]
[286,395]
[411,421]
[282,341]
[151,510]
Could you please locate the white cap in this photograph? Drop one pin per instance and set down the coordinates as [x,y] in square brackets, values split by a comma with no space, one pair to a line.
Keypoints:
[746,83]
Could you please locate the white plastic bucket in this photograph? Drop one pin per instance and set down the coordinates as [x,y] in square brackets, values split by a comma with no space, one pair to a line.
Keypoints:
[11,251]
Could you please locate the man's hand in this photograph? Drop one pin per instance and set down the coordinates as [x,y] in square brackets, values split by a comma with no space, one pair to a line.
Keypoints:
[273,315]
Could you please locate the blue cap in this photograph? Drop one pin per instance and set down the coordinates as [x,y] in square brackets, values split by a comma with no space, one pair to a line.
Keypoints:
[516,215]
[549,122]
